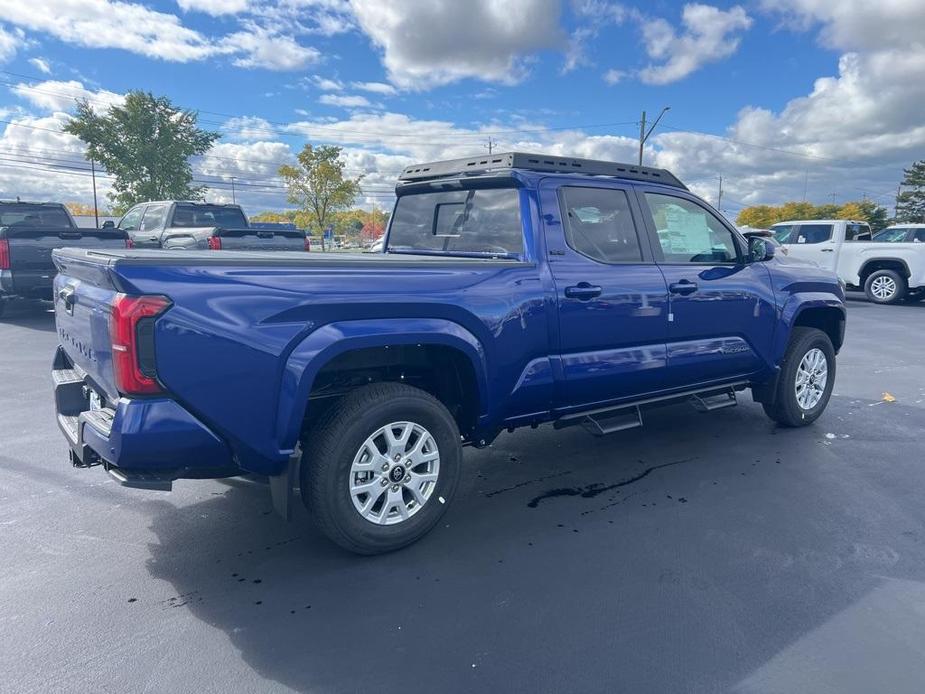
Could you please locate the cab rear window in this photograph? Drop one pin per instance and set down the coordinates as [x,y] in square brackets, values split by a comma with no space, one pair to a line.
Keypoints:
[459,222]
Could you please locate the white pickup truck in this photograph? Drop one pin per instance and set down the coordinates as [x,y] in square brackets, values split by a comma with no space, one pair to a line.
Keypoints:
[887,272]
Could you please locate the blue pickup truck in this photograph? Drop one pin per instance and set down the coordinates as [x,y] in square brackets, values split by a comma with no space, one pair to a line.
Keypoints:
[512,291]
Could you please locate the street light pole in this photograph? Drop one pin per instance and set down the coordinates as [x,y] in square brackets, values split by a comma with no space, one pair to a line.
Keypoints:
[233,200]
[643,134]
[96,211]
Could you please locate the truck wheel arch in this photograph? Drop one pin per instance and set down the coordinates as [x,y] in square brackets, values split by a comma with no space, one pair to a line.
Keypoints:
[333,343]
[874,264]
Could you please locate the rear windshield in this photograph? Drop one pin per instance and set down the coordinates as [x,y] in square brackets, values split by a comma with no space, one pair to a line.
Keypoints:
[25,215]
[459,222]
[188,216]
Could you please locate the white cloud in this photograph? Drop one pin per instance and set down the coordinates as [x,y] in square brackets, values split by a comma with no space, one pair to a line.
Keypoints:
[58,96]
[247,128]
[709,35]
[375,88]
[856,25]
[111,24]
[425,44]
[345,100]
[263,48]
[327,84]
[214,7]
[41,65]
[10,42]
[614,76]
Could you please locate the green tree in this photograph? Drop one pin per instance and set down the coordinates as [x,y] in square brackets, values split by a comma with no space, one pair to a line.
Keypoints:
[317,185]
[910,204]
[145,143]
[874,214]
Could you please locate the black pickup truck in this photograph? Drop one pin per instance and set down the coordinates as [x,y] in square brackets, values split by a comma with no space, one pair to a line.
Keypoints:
[29,232]
[191,225]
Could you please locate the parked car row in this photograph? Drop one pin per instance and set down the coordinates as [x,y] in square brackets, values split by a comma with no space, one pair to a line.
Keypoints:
[887,272]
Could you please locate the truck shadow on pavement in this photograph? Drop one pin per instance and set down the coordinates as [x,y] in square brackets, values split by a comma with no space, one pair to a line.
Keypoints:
[32,315]
[566,563]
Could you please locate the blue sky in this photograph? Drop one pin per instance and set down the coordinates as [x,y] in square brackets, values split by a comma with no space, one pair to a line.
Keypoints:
[777,97]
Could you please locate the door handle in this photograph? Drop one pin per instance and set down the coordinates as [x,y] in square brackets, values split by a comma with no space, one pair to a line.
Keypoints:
[827,250]
[583,291]
[683,287]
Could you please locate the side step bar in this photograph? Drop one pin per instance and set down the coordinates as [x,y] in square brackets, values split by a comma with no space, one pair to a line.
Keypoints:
[714,401]
[608,420]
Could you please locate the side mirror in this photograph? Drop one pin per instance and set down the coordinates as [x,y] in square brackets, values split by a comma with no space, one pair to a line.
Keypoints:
[760,249]
[109,224]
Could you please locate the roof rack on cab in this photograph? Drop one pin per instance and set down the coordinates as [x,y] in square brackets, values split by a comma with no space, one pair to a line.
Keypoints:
[537,162]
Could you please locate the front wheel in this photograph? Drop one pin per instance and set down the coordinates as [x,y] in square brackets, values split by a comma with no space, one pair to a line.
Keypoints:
[381,467]
[806,379]
[885,287]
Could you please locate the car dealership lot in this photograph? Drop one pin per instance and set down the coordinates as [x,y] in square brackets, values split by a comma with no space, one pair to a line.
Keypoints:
[701,553]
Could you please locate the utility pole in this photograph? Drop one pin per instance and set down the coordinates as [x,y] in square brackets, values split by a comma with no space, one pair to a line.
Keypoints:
[834,198]
[719,198]
[233,199]
[805,184]
[643,134]
[490,145]
[96,210]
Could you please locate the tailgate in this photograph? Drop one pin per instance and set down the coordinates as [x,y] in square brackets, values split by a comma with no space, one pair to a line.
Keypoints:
[83,295]
[261,239]
[30,249]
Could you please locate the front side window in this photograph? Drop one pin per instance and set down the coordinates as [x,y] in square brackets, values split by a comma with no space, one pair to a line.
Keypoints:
[461,222]
[153,218]
[892,235]
[813,233]
[689,233]
[132,219]
[599,224]
[786,233]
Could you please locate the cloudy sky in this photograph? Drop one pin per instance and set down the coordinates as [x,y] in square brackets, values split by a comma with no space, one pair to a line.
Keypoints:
[782,98]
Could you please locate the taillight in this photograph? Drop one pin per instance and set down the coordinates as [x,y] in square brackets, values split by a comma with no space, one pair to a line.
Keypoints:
[4,254]
[131,331]
[308,242]
[129,243]
[215,243]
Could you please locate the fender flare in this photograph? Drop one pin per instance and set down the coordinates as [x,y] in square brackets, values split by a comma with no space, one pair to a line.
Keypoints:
[333,339]
[795,305]
[899,261]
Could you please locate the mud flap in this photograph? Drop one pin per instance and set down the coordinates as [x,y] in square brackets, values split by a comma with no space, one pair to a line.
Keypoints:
[282,486]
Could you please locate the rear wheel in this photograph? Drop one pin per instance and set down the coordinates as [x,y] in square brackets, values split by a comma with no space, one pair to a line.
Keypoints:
[885,287]
[381,467]
[806,379]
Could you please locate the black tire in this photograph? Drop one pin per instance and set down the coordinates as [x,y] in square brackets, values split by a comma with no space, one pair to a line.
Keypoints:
[2,307]
[785,409]
[333,442]
[888,276]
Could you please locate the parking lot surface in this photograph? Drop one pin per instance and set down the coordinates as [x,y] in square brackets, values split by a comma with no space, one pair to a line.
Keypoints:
[702,553]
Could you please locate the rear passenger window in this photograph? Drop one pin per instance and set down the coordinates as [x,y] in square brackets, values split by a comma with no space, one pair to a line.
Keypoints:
[599,224]
[857,232]
[814,233]
[132,219]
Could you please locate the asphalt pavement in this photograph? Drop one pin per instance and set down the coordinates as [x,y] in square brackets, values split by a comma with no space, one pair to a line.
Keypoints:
[702,553]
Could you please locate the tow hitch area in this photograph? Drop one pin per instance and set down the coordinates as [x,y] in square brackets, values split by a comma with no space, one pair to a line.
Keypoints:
[91,459]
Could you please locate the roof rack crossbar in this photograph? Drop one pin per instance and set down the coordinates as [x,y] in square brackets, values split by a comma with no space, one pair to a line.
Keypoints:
[537,162]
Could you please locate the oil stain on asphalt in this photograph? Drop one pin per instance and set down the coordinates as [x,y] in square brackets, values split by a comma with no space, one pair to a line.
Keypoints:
[592,490]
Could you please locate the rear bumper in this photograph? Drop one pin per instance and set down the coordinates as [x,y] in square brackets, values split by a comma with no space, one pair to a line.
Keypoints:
[29,284]
[145,443]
